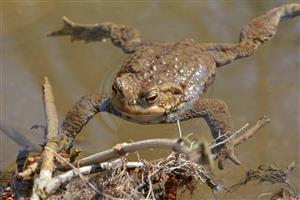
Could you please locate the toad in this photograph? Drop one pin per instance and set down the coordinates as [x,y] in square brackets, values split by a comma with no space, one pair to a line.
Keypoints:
[165,82]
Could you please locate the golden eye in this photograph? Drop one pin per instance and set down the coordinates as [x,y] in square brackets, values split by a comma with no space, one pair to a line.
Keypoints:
[151,98]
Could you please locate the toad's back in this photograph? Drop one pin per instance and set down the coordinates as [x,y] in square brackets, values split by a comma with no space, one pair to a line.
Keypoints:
[181,63]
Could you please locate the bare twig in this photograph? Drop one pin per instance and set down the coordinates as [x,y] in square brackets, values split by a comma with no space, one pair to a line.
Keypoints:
[151,192]
[179,129]
[47,166]
[133,147]
[74,168]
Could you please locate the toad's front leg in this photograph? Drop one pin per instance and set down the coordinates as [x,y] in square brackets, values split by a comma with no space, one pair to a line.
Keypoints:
[216,114]
[80,114]
[218,118]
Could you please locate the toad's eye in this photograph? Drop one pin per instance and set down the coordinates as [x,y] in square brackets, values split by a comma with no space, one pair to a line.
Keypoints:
[151,98]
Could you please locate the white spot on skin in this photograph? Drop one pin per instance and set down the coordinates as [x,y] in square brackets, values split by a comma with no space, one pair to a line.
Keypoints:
[196,84]
[146,75]
[200,66]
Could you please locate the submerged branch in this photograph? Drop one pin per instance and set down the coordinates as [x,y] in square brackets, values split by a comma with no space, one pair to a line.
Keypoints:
[268,173]
[251,132]
[228,151]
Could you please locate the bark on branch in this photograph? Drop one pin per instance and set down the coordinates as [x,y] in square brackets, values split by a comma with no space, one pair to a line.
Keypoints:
[123,149]
[47,166]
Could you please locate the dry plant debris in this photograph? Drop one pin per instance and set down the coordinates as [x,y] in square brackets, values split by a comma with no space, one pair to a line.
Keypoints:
[268,173]
[284,194]
[158,179]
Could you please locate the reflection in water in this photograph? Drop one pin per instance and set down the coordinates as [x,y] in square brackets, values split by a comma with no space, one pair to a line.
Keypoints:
[264,84]
[19,138]
[104,86]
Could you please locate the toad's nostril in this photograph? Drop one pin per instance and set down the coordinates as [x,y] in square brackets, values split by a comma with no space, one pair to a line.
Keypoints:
[132,102]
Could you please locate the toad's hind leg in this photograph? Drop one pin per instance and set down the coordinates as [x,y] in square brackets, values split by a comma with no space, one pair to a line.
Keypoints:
[125,37]
[258,31]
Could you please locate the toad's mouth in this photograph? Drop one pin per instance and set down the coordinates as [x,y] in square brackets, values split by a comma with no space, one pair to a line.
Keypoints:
[139,114]
[143,118]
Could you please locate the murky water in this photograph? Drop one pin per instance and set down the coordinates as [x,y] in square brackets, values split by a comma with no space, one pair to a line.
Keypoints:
[265,84]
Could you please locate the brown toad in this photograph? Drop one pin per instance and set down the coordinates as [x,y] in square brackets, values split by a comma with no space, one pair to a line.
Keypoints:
[165,82]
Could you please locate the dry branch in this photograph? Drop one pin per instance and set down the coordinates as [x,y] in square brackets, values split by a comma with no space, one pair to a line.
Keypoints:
[29,172]
[47,166]
[33,164]
[123,149]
